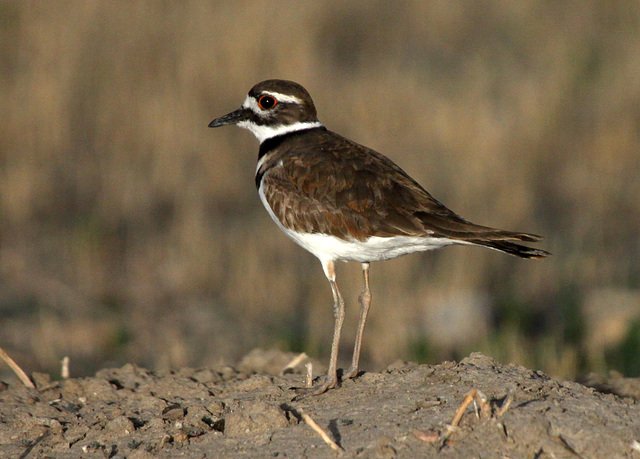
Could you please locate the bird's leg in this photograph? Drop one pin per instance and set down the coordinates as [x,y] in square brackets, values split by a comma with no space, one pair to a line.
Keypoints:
[338,313]
[331,379]
[365,302]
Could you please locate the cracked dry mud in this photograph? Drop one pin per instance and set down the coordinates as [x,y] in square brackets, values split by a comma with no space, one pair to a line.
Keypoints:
[402,411]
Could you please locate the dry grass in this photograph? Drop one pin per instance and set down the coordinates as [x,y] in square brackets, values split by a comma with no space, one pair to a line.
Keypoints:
[129,231]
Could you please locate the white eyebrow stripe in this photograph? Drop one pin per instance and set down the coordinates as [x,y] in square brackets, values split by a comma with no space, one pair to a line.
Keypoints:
[250,102]
[284,97]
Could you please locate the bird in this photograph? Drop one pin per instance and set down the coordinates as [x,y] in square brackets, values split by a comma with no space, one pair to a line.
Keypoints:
[343,201]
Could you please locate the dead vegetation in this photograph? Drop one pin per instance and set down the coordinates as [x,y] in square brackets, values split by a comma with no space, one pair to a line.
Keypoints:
[130,234]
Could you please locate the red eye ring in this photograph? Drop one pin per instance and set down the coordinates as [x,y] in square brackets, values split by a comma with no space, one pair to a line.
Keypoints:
[267,102]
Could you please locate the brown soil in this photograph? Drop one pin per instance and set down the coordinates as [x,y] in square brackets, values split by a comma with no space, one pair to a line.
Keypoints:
[248,411]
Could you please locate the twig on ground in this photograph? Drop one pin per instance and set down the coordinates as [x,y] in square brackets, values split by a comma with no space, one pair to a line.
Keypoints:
[485,405]
[427,436]
[484,410]
[64,371]
[16,369]
[463,406]
[311,423]
[309,378]
[505,405]
[294,363]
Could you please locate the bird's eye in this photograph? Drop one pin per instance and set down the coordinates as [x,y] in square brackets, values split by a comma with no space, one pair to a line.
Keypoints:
[267,102]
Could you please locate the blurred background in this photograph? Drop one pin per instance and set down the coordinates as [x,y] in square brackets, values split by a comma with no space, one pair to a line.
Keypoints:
[129,232]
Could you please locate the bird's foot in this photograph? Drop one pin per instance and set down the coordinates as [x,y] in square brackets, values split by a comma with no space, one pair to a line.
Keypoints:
[351,373]
[328,382]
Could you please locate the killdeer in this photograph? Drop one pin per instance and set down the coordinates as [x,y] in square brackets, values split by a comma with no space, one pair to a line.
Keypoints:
[342,201]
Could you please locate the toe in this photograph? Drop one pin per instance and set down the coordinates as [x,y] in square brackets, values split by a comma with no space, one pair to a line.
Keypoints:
[320,388]
[350,373]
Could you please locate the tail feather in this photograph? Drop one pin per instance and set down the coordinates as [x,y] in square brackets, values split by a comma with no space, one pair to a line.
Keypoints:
[512,248]
[503,235]
[458,229]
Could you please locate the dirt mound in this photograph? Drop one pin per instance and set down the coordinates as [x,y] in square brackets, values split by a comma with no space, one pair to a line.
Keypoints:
[404,411]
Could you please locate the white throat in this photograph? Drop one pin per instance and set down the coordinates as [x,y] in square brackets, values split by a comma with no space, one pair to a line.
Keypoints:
[263,133]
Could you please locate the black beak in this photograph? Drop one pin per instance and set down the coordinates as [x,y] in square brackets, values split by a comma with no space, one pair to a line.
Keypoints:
[231,118]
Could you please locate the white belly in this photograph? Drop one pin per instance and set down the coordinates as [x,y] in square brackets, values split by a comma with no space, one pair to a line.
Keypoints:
[373,249]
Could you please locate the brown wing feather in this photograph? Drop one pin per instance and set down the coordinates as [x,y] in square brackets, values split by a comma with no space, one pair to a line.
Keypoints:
[349,191]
